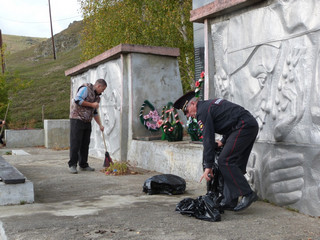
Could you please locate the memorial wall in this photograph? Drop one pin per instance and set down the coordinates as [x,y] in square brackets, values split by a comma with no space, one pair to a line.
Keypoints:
[265,57]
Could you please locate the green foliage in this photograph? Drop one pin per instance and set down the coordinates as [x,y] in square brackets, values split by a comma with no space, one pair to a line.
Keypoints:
[44,90]
[117,168]
[9,84]
[3,96]
[108,23]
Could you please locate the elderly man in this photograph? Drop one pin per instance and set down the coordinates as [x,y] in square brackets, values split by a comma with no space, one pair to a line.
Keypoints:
[84,107]
[239,129]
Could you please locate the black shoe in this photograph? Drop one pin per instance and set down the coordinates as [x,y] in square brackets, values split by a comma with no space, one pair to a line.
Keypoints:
[89,169]
[246,201]
[229,206]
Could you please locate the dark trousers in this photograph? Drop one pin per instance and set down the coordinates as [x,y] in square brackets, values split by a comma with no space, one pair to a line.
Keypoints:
[234,158]
[79,142]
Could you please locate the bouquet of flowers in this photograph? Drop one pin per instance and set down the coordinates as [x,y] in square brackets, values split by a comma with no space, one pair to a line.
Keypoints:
[149,120]
[199,84]
[170,124]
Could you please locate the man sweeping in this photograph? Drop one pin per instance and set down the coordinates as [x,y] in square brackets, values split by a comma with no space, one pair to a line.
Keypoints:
[83,108]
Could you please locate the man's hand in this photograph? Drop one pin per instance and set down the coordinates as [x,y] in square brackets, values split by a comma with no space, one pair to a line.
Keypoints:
[207,171]
[95,105]
[90,104]
[220,144]
[101,128]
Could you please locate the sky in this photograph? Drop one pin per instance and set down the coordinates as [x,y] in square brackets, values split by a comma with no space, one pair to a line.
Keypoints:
[31,18]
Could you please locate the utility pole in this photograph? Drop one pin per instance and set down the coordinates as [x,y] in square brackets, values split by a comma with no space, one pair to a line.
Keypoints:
[54,50]
[2,55]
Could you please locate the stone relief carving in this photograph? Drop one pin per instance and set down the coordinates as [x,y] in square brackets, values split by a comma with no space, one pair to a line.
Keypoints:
[110,109]
[290,96]
[272,69]
[256,76]
[279,177]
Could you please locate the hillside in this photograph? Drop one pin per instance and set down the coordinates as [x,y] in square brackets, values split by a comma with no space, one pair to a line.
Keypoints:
[18,43]
[49,91]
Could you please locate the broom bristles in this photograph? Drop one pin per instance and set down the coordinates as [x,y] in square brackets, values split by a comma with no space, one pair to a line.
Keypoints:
[107,160]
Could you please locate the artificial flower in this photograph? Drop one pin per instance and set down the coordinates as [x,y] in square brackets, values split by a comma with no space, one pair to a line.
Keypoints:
[202,75]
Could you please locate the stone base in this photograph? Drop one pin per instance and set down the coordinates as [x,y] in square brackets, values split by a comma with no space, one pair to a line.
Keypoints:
[21,193]
[182,158]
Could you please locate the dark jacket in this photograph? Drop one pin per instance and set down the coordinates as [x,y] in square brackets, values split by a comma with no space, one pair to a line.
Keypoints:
[222,117]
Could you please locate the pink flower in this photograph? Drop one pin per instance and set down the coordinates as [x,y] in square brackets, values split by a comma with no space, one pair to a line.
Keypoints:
[197,84]
[153,126]
[146,116]
[202,75]
[159,123]
[170,110]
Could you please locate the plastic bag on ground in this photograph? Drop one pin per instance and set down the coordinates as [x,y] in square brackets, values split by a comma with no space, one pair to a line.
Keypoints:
[204,207]
[164,184]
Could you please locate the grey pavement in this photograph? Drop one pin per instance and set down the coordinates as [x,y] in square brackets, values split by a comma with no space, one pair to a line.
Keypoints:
[92,205]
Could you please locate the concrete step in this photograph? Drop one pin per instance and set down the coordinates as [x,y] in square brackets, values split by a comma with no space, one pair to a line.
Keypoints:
[14,188]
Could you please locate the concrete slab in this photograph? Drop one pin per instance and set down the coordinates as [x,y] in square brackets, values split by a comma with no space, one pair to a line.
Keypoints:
[56,133]
[24,138]
[92,205]
[19,152]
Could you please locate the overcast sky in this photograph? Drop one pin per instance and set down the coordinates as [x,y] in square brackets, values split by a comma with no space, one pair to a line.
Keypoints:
[31,17]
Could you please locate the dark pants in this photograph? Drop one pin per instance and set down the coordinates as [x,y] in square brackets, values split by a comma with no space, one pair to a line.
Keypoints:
[79,142]
[234,158]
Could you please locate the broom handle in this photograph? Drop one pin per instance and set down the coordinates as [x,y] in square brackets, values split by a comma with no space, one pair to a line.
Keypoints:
[104,140]
[5,117]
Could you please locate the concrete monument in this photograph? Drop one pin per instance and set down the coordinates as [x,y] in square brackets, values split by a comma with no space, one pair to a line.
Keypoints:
[264,55]
[133,74]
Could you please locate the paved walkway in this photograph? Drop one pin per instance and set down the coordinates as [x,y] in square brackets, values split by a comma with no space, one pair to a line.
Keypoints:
[91,205]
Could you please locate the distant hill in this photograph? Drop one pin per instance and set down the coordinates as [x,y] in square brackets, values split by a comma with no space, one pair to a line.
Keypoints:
[18,43]
[49,93]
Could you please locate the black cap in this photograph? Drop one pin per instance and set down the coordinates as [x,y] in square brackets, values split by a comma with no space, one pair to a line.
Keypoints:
[183,101]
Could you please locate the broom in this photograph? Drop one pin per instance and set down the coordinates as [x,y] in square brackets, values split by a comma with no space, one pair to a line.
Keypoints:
[107,159]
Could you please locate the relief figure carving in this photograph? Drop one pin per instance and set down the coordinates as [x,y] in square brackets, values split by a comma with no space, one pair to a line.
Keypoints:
[279,178]
[252,81]
[290,96]
[275,75]
[222,84]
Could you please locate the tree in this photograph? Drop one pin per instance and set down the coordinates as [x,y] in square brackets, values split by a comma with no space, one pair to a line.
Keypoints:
[108,23]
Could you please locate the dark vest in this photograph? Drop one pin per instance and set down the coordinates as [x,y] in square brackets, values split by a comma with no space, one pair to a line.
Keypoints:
[84,113]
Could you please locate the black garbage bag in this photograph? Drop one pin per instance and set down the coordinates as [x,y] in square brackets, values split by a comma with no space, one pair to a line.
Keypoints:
[164,184]
[204,207]
[215,185]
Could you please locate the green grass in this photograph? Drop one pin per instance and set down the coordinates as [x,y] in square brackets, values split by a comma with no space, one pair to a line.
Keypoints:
[18,43]
[49,87]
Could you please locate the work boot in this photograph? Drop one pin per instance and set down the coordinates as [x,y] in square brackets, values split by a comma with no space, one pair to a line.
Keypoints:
[89,169]
[73,169]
